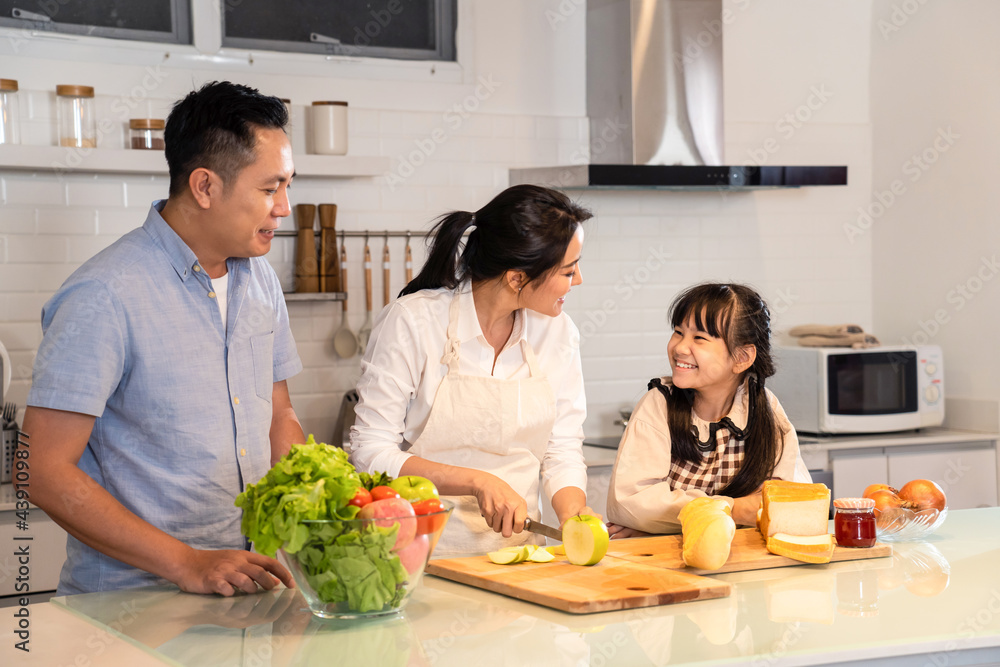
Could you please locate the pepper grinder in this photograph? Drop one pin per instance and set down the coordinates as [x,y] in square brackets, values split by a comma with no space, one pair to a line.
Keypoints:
[306,263]
[329,261]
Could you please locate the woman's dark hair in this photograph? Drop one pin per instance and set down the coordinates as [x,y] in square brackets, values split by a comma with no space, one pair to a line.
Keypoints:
[524,228]
[214,127]
[738,315]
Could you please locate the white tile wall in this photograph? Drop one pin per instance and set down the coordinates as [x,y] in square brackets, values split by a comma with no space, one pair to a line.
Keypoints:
[642,246]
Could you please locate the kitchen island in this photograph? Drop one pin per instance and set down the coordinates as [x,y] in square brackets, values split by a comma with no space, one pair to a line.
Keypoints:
[934,602]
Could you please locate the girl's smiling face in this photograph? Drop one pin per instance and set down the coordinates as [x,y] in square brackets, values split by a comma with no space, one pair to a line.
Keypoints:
[702,361]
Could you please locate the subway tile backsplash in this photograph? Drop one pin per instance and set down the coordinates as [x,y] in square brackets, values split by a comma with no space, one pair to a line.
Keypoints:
[641,248]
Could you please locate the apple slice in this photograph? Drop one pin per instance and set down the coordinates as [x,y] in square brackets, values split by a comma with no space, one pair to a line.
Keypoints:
[541,556]
[585,539]
[503,557]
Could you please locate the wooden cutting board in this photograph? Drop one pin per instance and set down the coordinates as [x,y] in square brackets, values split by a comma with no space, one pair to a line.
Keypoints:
[612,584]
[638,572]
[747,553]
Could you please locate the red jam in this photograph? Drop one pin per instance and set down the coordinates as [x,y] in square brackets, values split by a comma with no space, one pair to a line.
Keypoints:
[854,522]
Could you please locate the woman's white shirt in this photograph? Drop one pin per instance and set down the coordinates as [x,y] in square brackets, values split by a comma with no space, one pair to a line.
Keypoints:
[402,369]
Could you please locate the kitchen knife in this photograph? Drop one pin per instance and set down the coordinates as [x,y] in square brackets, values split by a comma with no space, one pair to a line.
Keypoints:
[542,529]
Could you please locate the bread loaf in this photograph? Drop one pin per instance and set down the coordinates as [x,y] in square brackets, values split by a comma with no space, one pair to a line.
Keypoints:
[707,531]
[794,508]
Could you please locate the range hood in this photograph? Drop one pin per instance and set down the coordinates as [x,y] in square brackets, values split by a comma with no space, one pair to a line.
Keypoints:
[654,100]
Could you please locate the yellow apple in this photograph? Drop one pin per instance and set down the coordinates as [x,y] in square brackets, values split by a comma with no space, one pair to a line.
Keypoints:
[585,539]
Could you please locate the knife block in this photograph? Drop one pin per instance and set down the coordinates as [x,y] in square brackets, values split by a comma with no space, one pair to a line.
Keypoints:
[329,260]
[306,262]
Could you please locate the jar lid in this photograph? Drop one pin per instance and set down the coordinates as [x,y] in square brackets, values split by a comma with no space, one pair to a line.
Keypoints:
[146,124]
[854,503]
[74,91]
[341,104]
[8,84]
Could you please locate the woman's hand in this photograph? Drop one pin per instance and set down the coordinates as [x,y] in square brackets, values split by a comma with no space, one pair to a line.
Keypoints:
[501,506]
[621,532]
[745,509]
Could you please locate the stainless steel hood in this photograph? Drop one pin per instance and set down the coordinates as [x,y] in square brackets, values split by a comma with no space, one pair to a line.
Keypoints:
[654,101]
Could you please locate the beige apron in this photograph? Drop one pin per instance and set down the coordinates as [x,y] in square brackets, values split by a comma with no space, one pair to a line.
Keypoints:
[499,426]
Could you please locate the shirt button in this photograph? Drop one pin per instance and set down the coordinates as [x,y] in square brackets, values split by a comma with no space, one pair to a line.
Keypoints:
[196,268]
[211,295]
[243,452]
[236,400]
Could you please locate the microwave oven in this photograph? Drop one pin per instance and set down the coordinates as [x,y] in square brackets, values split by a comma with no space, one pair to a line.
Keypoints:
[871,390]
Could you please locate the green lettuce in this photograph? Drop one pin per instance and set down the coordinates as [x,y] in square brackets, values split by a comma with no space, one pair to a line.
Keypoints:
[314,482]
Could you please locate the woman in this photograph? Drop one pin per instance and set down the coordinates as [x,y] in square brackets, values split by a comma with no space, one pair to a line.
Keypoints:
[472,378]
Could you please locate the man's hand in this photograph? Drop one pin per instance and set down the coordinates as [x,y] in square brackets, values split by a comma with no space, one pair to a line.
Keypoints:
[226,571]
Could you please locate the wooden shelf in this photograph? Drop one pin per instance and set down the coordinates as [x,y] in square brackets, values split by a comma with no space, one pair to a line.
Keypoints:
[121,161]
[314,296]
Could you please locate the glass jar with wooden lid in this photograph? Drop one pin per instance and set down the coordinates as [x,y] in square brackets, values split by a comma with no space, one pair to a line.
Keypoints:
[76,116]
[10,130]
[146,133]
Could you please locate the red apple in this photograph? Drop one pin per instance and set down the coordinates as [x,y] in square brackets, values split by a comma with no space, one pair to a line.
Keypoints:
[391,512]
[414,555]
[433,522]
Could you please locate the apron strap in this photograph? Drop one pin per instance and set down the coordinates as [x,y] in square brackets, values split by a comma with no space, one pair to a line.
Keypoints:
[529,357]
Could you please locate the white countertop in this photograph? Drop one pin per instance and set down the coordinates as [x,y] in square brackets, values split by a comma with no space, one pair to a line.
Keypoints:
[938,599]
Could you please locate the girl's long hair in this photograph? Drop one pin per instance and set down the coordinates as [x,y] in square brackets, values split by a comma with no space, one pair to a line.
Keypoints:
[738,315]
[524,228]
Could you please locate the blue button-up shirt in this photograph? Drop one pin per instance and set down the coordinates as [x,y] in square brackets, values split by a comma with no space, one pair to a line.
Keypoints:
[135,338]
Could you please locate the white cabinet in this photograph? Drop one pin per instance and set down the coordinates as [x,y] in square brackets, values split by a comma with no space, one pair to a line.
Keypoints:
[46,552]
[967,473]
[598,481]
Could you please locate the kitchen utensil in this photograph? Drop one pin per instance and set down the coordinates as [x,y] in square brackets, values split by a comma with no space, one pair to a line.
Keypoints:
[541,529]
[748,552]
[306,263]
[385,271]
[345,420]
[9,413]
[345,343]
[612,584]
[329,266]
[409,260]
[366,329]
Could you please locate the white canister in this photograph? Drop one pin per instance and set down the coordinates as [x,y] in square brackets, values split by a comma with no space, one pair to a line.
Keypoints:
[329,125]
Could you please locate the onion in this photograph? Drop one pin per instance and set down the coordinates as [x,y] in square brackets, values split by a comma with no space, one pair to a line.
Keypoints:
[923,494]
[887,500]
[872,488]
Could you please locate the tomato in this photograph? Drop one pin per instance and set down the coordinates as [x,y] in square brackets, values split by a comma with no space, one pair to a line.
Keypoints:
[383,492]
[429,524]
[361,498]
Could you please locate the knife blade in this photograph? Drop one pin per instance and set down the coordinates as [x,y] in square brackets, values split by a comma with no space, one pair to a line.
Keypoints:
[542,529]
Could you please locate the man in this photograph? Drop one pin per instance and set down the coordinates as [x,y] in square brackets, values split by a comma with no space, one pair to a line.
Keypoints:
[159,388]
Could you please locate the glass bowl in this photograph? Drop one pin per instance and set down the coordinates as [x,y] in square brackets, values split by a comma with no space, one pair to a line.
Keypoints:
[360,568]
[901,525]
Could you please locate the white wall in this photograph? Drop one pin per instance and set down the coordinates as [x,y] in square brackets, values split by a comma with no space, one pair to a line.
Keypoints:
[936,98]
[789,243]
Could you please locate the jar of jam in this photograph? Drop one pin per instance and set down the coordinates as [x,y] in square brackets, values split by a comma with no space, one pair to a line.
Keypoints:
[854,522]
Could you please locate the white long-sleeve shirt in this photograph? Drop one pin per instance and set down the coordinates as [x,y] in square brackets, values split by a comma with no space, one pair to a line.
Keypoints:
[641,495]
[402,369]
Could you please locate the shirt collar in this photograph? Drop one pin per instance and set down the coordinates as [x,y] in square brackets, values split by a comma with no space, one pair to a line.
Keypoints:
[181,257]
[468,321]
[737,413]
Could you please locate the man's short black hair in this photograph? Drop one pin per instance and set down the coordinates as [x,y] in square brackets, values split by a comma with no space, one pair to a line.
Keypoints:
[214,128]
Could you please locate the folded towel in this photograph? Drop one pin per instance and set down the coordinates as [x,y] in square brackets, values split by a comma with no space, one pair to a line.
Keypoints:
[825,329]
[856,340]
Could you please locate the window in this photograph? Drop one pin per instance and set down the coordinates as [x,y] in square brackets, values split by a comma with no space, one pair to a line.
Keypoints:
[402,29]
[142,20]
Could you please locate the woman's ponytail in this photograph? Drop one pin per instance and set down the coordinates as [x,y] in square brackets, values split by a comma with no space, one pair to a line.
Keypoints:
[442,268]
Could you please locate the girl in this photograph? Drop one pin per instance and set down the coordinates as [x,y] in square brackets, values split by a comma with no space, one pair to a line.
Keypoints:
[711,429]
[473,378]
